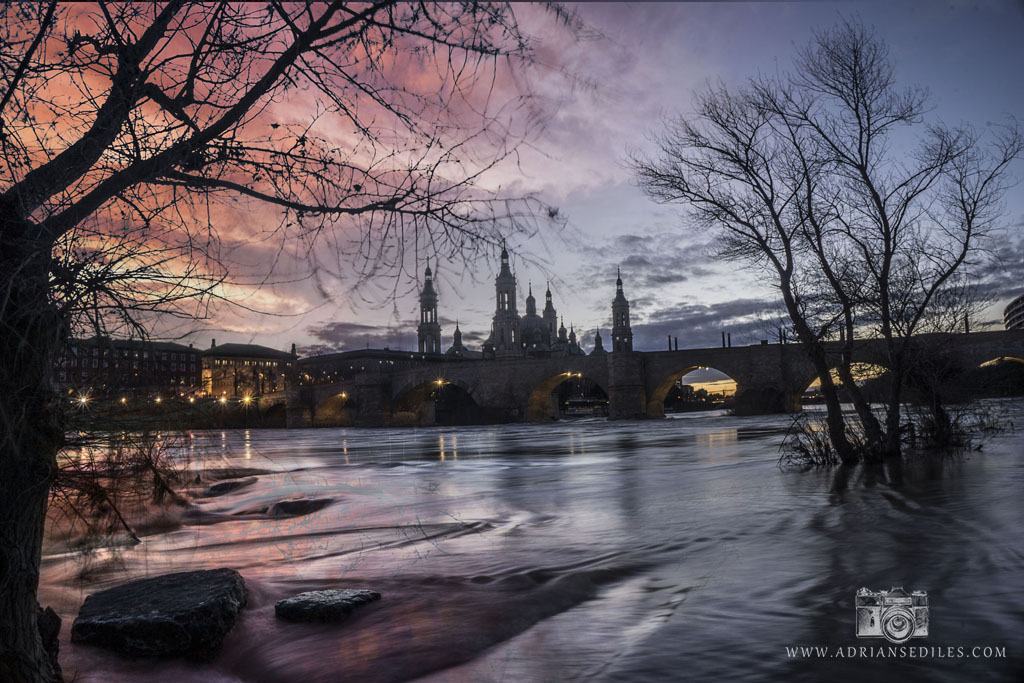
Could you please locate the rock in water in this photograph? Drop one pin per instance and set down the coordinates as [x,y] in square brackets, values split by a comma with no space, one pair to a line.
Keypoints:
[297,507]
[187,613]
[222,487]
[333,605]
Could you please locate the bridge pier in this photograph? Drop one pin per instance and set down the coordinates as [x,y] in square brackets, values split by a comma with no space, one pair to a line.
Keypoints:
[627,395]
[295,414]
[373,399]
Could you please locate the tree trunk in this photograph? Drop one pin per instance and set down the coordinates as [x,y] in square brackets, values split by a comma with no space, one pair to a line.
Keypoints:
[892,445]
[834,410]
[873,433]
[30,436]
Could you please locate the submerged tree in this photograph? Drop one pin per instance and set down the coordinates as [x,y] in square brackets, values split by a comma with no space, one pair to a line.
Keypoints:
[127,128]
[864,216]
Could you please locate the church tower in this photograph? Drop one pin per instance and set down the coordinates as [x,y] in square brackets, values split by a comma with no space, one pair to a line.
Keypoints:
[598,345]
[550,317]
[429,331]
[507,343]
[622,333]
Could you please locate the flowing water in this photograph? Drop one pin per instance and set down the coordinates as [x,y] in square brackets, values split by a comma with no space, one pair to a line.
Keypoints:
[584,550]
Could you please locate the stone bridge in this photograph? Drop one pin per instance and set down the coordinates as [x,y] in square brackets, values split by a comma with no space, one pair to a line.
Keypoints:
[769,378]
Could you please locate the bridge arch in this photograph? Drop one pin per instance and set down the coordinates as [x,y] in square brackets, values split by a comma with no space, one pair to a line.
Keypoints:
[863,371]
[542,403]
[1002,376]
[333,410]
[435,401]
[662,390]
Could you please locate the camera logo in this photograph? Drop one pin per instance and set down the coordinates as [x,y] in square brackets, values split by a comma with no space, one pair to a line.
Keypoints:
[893,614]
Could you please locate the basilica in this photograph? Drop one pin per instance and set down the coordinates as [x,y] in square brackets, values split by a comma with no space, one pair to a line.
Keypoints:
[520,336]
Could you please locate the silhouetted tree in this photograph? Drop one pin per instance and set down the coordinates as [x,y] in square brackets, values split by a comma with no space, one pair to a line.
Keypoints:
[814,178]
[127,128]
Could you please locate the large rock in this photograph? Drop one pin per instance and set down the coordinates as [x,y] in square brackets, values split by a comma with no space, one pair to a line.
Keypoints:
[332,605]
[187,613]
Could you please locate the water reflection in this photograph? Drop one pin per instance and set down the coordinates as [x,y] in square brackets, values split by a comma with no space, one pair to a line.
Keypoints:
[636,551]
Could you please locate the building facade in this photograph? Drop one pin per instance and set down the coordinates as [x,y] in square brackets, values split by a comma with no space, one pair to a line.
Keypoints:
[129,367]
[246,370]
[1013,314]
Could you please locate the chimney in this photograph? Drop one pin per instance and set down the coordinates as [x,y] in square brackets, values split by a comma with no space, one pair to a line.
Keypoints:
[213,343]
[730,340]
[723,339]
[677,343]
[293,349]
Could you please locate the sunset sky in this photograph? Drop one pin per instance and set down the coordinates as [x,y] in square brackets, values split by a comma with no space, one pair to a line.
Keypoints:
[603,93]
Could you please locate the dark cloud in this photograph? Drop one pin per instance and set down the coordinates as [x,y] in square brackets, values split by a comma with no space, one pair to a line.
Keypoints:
[345,336]
[701,326]
[648,261]
[1001,276]
[334,337]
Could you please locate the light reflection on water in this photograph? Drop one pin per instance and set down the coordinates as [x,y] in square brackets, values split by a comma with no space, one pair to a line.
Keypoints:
[667,550]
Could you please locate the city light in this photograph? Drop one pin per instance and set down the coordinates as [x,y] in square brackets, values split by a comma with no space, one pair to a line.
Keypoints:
[191,399]
[124,400]
[83,399]
[223,399]
[159,399]
[246,399]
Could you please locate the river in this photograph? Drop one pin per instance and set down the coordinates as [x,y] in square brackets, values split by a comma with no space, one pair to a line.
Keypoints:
[672,550]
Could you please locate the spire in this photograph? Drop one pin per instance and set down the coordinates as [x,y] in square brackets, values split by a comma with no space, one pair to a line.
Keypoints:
[548,295]
[504,251]
[598,344]
[622,333]
[429,331]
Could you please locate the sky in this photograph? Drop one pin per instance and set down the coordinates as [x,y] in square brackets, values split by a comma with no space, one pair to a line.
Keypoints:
[603,93]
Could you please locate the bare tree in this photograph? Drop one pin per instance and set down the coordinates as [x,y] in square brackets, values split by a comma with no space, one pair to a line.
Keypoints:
[814,177]
[125,127]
